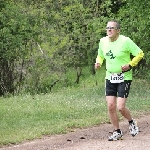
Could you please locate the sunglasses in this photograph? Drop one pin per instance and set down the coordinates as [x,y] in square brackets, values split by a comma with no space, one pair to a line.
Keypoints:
[111,28]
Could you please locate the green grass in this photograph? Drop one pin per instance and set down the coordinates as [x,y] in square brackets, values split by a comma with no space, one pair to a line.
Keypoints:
[28,117]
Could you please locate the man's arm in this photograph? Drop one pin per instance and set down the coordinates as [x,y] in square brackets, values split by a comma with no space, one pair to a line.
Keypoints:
[100,57]
[99,62]
[136,59]
[133,62]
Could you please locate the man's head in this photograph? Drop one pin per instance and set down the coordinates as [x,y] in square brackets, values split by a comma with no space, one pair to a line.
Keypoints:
[113,30]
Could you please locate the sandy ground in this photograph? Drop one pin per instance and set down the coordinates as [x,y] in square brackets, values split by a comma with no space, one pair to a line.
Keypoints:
[94,138]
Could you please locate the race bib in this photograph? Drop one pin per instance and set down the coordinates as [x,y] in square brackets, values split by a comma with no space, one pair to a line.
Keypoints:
[117,77]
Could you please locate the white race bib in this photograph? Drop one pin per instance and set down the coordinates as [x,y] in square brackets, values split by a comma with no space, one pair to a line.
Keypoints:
[117,77]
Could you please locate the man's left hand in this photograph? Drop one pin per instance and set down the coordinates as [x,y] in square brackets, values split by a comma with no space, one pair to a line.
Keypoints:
[125,67]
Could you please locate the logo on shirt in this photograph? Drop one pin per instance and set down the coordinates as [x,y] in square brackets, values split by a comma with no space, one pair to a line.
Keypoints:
[110,54]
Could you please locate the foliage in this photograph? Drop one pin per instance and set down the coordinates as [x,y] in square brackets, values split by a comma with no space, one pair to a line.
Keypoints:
[134,23]
[14,35]
[42,40]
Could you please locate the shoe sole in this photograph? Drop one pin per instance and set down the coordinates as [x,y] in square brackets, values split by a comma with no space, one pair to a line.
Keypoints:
[134,134]
[117,139]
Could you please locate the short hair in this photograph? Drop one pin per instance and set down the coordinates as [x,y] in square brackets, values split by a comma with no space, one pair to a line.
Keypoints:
[117,23]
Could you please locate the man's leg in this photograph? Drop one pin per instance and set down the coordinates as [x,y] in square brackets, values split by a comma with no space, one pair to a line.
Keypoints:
[111,104]
[126,113]
[121,102]
[123,92]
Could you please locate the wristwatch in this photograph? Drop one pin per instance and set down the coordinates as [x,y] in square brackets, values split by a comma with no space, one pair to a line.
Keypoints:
[130,67]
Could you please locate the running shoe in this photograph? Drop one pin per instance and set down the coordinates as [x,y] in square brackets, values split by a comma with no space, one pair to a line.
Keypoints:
[115,136]
[133,128]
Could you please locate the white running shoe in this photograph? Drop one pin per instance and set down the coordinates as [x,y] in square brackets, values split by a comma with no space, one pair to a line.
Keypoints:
[115,136]
[133,128]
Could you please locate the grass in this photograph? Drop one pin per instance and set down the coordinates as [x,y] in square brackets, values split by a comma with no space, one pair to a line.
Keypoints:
[28,117]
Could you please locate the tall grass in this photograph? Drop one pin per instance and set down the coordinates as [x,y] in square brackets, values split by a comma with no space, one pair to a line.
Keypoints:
[28,117]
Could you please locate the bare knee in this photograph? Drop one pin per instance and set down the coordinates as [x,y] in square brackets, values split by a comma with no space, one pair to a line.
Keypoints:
[121,109]
[111,103]
[111,108]
[121,105]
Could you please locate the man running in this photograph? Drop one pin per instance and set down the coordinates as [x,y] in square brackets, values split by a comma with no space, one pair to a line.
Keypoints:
[116,50]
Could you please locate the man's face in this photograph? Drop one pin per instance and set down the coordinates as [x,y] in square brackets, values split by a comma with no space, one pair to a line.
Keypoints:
[112,30]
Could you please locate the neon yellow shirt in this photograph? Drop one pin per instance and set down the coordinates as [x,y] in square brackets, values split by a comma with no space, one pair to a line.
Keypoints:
[117,53]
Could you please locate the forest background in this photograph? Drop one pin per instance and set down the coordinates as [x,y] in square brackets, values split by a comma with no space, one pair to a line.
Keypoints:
[47,45]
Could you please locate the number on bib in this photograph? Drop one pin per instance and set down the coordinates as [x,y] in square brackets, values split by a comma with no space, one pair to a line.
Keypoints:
[117,77]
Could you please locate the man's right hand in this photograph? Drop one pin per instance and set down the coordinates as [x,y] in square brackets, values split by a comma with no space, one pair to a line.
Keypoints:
[97,65]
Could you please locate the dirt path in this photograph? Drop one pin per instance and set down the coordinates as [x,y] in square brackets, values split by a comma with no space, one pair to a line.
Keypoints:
[94,138]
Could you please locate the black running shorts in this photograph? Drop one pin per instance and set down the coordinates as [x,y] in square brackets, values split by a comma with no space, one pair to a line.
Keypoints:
[117,89]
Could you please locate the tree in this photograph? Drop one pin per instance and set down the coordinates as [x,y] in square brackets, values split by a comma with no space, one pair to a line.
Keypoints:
[15,33]
[134,23]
